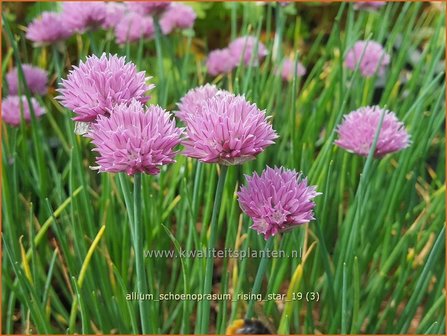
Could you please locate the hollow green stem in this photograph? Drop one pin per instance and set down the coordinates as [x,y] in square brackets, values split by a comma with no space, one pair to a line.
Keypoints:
[211,244]
[259,276]
[92,42]
[56,61]
[138,250]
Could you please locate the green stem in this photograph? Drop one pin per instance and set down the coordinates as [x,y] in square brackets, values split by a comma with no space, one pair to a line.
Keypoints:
[127,198]
[234,6]
[92,42]
[138,245]
[56,61]
[258,279]
[211,244]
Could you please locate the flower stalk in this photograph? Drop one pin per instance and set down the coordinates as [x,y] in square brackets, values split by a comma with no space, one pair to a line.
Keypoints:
[211,244]
[138,250]
[258,280]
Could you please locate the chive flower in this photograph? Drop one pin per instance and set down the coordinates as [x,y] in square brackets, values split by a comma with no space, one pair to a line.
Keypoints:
[177,16]
[49,28]
[36,79]
[277,200]
[228,130]
[370,57]
[11,111]
[148,7]
[115,11]
[133,26]
[357,131]
[193,99]
[81,16]
[287,69]
[96,86]
[134,139]
[220,61]
[244,47]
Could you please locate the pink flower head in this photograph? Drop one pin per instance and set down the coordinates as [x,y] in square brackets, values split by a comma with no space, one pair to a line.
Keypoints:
[358,129]
[11,109]
[36,80]
[370,56]
[99,84]
[148,7]
[47,29]
[83,15]
[227,129]
[244,47]
[133,140]
[192,101]
[115,12]
[369,5]
[220,61]
[177,16]
[287,69]
[277,200]
[134,26]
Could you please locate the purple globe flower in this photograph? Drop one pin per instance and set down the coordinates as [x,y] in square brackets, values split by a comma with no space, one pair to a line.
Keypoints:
[11,109]
[277,200]
[47,29]
[369,5]
[99,84]
[36,80]
[134,26]
[115,11]
[192,101]
[177,16]
[220,61]
[244,47]
[358,129]
[370,56]
[228,130]
[288,68]
[80,16]
[148,7]
[133,140]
